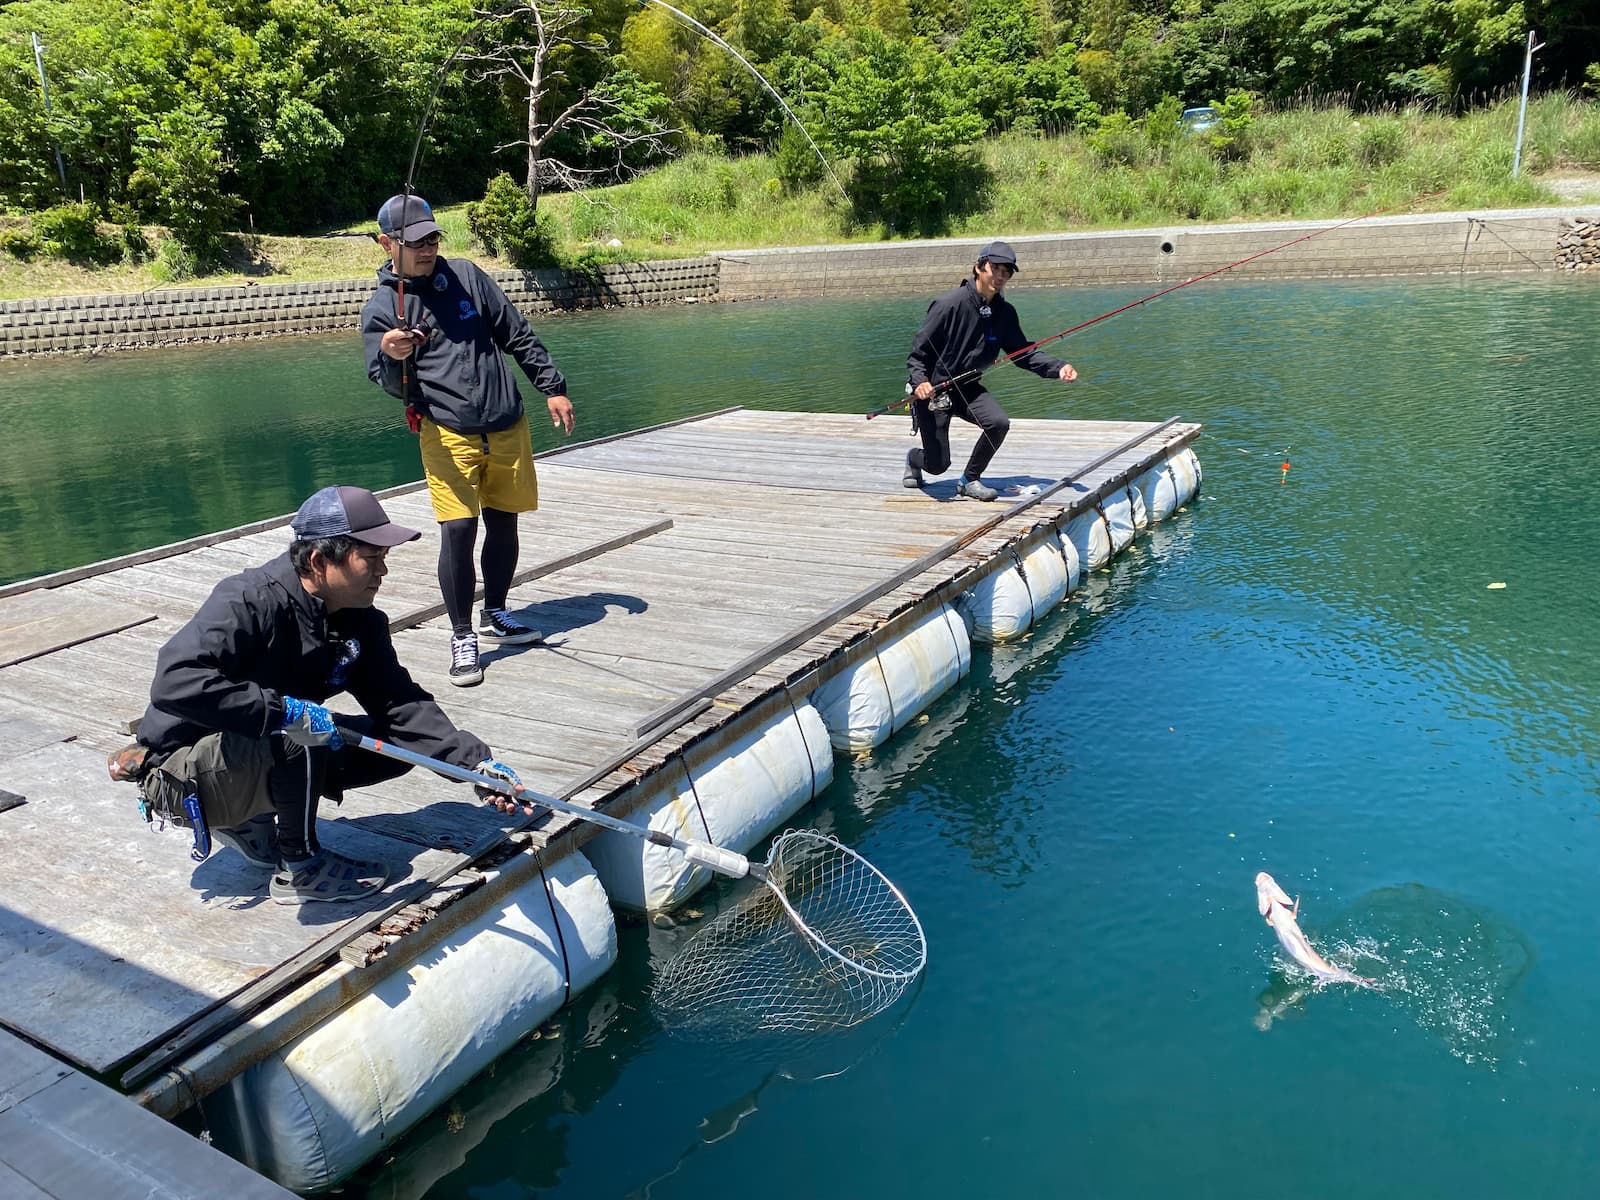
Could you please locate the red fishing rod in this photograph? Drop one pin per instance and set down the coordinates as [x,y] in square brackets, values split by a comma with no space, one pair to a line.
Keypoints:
[969,376]
[413,417]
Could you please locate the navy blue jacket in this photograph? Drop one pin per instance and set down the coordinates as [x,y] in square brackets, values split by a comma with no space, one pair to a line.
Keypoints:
[260,636]
[956,337]
[459,378]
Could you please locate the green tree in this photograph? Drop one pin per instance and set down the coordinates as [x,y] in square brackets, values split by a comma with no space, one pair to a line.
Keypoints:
[761,28]
[656,47]
[900,112]
[178,177]
[1053,94]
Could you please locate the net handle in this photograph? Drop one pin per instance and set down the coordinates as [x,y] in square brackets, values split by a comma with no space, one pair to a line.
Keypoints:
[724,862]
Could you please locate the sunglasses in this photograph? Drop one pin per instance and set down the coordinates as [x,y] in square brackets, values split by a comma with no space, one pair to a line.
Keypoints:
[431,240]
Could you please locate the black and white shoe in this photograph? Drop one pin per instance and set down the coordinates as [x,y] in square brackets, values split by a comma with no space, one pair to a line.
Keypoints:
[465,669]
[500,627]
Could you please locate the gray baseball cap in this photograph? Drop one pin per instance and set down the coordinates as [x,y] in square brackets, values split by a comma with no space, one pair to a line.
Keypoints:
[999,252]
[408,217]
[348,512]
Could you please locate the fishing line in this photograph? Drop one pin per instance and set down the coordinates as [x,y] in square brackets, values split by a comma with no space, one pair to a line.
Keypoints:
[505,6]
[762,80]
[462,43]
[1106,316]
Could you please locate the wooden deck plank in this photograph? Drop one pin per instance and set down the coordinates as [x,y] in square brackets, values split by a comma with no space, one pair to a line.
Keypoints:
[92,705]
[36,623]
[848,472]
[20,735]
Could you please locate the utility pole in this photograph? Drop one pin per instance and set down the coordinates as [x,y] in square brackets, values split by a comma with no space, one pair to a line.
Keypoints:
[1522,112]
[38,61]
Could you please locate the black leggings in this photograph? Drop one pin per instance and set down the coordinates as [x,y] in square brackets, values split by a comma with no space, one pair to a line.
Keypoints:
[457,581]
[982,410]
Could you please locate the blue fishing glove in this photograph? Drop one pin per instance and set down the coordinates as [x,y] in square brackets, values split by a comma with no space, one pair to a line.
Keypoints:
[500,771]
[310,724]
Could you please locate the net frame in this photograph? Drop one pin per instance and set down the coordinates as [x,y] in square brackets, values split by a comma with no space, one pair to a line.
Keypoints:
[827,942]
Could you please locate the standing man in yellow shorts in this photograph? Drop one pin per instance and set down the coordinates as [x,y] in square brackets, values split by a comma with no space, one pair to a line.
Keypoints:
[436,333]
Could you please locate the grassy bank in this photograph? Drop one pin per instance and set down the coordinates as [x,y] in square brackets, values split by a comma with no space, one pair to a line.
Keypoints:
[1321,162]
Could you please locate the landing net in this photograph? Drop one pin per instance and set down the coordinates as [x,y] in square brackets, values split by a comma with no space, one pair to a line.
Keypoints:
[826,944]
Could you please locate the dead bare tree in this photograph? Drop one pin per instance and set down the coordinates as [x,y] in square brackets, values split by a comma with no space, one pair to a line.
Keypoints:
[525,46]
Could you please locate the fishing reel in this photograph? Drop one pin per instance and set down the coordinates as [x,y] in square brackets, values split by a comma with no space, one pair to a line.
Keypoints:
[938,402]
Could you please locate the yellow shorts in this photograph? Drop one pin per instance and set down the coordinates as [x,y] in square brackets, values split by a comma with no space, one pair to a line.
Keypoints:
[468,472]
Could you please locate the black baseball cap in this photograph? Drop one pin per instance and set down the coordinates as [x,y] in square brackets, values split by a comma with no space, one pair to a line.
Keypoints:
[409,218]
[348,512]
[999,252]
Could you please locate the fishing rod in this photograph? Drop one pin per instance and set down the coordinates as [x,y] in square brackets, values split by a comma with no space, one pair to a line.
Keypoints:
[762,80]
[408,189]
[505,6]
[462,42]
[976,372]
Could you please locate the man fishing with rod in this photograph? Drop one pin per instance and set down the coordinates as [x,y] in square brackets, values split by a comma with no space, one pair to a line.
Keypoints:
[966,330]
[440,346]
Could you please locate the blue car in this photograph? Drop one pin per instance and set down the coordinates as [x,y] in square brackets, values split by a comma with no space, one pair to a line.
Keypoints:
[1198,120]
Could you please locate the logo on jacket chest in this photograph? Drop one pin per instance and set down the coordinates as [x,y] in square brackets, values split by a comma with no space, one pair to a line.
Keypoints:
[345,653]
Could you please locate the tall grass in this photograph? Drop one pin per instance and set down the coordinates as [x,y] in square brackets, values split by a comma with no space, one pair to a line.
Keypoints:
[1319,161]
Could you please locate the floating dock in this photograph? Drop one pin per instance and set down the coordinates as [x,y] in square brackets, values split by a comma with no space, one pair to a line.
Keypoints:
[64,1137]
[714,593]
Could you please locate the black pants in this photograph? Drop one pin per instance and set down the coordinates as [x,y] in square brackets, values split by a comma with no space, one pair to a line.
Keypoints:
[980,409]
[458,581]
[299,778]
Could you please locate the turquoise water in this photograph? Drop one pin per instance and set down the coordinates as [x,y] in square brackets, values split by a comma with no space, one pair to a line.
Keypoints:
[1305,673]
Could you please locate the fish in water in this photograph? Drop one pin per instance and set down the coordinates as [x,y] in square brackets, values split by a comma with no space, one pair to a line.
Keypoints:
[1281,914]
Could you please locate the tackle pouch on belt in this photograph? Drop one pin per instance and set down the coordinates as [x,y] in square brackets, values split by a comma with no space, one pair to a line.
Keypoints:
[219,782]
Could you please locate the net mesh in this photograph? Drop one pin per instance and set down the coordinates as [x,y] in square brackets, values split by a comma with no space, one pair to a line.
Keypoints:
[826,944]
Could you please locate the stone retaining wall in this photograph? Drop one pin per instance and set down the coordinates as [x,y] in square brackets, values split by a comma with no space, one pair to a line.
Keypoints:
[1438,243]
[1578,248]
[173,316]
[1519,240]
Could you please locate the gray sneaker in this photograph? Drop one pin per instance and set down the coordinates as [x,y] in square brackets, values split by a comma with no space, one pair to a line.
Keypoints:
[913,476]
[256,840]
[975,489]
[328,877]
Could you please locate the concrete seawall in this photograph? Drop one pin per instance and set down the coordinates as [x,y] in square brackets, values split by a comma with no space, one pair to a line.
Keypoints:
[1506,241]
[179,315]
[1498,241]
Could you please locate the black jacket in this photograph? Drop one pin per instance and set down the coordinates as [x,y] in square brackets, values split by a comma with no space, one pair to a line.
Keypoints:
[259,637]
[459,378]
[956,337]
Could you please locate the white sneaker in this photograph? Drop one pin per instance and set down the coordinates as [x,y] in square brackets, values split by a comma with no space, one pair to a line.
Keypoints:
[499,626]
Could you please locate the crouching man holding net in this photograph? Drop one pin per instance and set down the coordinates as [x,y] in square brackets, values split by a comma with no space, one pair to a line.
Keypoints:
[237,744]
